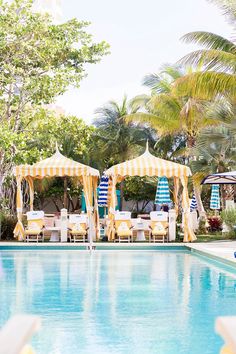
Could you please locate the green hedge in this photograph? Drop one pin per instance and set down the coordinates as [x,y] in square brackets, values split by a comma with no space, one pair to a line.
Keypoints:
[7,225]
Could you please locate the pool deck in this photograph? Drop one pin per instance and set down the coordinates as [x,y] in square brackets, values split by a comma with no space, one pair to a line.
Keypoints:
[223,250]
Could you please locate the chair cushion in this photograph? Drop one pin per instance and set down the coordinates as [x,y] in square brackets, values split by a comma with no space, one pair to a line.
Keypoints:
[123,229]
[32,232]
[78,229]
[78,232]
[159,229]
[124,233]
[34,227]
[35,224]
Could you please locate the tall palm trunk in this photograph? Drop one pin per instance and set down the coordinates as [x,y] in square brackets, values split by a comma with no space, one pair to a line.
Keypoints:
[191,140]
[197,191]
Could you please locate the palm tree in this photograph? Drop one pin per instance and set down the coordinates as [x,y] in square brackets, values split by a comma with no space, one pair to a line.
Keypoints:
[118,139]
[167,113]
[215,152]
[115,138]
[218,59]
[171,115]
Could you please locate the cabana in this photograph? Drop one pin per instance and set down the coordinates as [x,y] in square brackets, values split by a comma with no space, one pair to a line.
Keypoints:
[220,178]
[149,165]
[56,166]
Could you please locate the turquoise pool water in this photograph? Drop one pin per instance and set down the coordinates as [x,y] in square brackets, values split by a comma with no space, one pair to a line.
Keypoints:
[113,302]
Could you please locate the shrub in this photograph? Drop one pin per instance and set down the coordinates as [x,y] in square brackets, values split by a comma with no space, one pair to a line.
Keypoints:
[229,217]
[7,225]
[202,229]
[215,223]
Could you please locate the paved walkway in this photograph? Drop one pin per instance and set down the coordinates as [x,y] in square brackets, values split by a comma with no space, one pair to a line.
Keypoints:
[224,250]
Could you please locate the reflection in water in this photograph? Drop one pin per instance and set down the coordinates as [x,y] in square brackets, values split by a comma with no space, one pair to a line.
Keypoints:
[118,302]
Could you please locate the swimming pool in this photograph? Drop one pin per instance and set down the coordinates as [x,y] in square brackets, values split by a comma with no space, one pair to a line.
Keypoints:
[113,302]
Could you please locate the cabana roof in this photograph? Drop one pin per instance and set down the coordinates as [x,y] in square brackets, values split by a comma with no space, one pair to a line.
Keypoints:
[56,165]
[149,165]
[221,178]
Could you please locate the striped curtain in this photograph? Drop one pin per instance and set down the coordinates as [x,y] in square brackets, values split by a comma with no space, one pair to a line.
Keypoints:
[193,205]
[163,192]
[215,197]
[103,191]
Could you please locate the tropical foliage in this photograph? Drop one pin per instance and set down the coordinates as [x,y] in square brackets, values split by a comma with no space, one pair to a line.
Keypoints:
[117,140]
[188,115]
[39,60]
[218,58]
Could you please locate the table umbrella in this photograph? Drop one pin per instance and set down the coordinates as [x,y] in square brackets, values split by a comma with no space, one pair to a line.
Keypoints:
[215,197]
[103,191]
[193,205]
[163,192]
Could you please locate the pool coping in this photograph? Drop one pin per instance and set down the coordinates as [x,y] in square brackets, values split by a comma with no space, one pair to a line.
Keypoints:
[216,257]
[100,246]
[196,248]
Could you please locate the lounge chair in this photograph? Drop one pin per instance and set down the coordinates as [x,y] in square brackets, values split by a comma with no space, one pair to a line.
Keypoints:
[78,228]
[123,226]
[35,226]
[159,226]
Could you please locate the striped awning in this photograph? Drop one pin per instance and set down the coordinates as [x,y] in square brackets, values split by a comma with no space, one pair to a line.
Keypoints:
[221,178]
[56,165]
[103,191]
[149,165]
[163,192]
[215,197]
[193,204]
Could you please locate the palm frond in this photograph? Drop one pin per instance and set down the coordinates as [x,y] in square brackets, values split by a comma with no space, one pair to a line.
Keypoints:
[138,102]
[228,8]
[173,71]
[164,125]
[206,85]
[198,177]
[182,152]
[164,102]
[211,59]
[210,41]
[156,83]
[161,82]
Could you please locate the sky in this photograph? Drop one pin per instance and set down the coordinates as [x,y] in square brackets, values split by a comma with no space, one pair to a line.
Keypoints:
[143,35]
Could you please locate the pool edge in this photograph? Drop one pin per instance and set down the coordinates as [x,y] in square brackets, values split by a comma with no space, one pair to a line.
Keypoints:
[211,256]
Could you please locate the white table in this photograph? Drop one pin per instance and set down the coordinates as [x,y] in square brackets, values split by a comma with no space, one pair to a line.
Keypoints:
[140,232]
[54,233]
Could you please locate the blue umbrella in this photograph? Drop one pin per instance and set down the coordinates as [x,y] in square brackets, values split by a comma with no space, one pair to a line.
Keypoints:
[163,192]
[193,205]
[103,191]
[215,197]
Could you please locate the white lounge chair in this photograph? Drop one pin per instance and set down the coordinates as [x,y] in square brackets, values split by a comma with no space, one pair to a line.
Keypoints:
[123,226]
[35,226]
[78,228]
[159,226]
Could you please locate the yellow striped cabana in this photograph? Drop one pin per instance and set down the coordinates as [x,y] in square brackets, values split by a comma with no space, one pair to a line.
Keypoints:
[149,165]
[56,166]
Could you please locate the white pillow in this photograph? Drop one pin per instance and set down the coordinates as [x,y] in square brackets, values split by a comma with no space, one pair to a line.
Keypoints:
[34,226]
[123,226]
[159,226]
[78,227]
